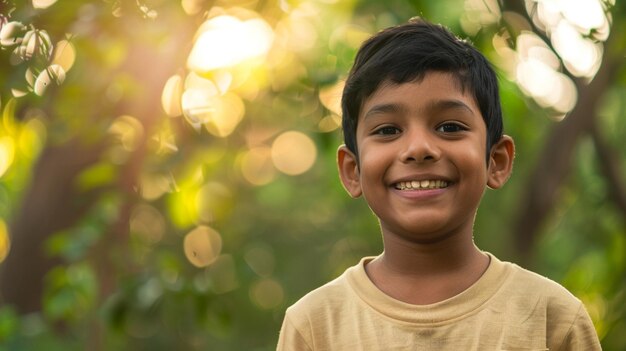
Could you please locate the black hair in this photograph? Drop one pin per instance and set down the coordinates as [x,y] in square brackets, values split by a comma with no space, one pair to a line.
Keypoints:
[405,53]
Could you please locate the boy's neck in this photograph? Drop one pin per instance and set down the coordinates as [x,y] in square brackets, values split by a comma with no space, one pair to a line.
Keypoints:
[427,273]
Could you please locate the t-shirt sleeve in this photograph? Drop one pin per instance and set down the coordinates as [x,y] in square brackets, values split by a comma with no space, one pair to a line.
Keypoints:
[582,335]
[290,339]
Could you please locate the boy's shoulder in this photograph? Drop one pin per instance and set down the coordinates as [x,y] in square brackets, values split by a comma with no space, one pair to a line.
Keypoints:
[527,283]
[533,302]
[336,292]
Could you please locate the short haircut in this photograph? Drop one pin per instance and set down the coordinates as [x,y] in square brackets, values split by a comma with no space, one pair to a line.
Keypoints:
[405,53]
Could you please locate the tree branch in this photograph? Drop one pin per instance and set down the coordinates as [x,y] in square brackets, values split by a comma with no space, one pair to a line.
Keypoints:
[554,162]
[609,164]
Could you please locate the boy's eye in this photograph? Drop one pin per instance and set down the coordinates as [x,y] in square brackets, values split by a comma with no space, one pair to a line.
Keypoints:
[451,128]
[387,130]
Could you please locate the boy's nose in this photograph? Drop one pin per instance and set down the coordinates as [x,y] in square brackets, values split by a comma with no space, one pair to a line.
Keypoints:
[419,148]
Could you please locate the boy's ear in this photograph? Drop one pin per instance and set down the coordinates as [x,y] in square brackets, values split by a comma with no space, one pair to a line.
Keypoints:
[501,162]
[349,171]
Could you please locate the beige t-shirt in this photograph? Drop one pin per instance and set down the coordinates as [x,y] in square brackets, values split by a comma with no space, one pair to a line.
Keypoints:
[508,308]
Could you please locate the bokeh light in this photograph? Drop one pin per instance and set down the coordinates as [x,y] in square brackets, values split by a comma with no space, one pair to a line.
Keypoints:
[329,123]
[293,153]
[297,31]
[536,68]
[199,99]
[5,241]
[226,41]
[32,136]
[11,33]
[585,14]
[202,246]
[53,74]
[575,28]
[42,4]
[479,13]
[64,55]
[227,112]
[530,46]
[581,56]
[223,80]
[29,76]
[128,130]
[206,103]
[549,88]
[182,202]
[170,98]
[192,7]
[7,153]
[35,44]
[153,186]
[147,224]
[330,97]
[261,259]
[257,167]
[164,141]
[267,293]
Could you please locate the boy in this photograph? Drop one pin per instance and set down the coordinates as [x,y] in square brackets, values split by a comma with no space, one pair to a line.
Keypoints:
[423,138]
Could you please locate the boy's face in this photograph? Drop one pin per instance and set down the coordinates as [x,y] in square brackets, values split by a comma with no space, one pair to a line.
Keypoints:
[422,166]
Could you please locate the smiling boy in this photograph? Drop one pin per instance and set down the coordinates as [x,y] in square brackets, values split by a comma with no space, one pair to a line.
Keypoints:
[423,139]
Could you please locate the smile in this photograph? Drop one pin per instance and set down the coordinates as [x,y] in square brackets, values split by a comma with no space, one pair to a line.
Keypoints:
[421,184]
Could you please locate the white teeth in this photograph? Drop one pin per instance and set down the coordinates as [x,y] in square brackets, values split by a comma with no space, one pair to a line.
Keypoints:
[423,184]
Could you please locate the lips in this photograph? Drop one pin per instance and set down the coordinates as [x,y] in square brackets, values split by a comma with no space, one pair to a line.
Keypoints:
[421,184]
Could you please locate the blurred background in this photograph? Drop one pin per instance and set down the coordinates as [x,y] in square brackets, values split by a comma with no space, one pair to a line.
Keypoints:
[167,167]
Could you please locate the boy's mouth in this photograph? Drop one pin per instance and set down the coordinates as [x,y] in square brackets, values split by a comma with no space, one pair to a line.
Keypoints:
[421,185]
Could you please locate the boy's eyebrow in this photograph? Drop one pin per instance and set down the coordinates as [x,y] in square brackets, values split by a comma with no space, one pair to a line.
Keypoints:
[448,104]
[433,106]
[384,108]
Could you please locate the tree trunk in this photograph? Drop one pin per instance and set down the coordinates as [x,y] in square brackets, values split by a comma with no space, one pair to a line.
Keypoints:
[554,163]
[52,202]
[50,205]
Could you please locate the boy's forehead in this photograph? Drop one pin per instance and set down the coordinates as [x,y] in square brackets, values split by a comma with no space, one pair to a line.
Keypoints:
[446,84]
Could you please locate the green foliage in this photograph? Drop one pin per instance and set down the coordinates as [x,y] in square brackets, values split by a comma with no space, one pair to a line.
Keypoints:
[71,292]
[8,323]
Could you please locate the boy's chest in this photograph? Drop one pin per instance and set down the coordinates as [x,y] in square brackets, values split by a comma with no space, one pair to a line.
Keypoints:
[486,330]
